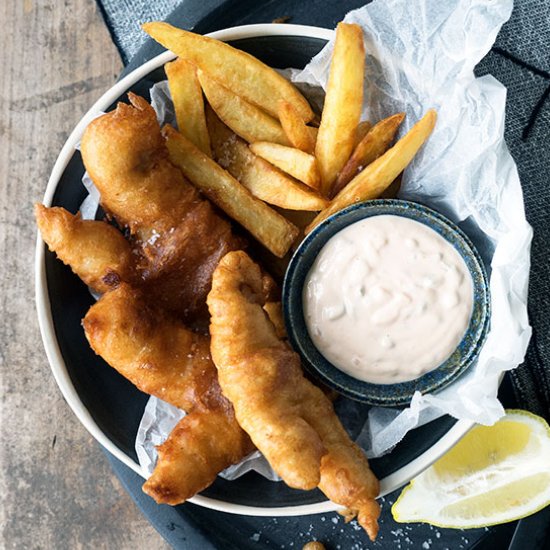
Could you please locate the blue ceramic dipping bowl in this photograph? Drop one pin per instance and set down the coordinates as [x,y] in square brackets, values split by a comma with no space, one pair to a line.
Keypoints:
[397,394]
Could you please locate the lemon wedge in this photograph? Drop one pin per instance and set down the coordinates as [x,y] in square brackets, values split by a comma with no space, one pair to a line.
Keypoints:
[494,474]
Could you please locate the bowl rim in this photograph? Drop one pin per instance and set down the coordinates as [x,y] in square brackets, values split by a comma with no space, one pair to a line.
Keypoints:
[47,331]
[299,268]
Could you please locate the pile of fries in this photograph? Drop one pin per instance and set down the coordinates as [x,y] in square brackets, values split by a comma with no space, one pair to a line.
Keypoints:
[255,142]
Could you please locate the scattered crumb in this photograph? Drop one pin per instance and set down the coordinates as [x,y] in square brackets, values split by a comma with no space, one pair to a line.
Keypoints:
[282,19]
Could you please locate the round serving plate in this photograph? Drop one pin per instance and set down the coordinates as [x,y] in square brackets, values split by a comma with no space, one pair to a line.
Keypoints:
[108,405]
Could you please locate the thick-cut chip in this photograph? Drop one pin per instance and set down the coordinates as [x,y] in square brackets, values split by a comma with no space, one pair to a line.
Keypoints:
[377,176]
[343,104]
[267,226]
[245,119]
[362,130]
[374,144]
[239,71]
[299,134]
[186,93]
[313,131]
[298,164]
[262,179]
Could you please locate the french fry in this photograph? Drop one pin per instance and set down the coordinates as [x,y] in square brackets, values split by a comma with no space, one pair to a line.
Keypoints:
[245,119]
[270,228]
[362,130]
[244,74]
[343,104]
[377,176]
[262,179]
[375,143]
[186,93]
[299,134]
[298,164]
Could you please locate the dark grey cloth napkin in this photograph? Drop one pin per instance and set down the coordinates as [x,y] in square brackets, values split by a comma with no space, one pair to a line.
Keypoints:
[124,17]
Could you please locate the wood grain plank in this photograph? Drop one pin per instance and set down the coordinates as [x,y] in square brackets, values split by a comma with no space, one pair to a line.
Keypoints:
[56,488]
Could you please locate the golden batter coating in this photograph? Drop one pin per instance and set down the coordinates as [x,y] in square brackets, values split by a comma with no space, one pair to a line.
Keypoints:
[150,348]
[96,251]
[178,240]
[290,420]
[202,444]
[126,157]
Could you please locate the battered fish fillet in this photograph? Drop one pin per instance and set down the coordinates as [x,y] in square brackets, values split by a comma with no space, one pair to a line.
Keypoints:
[163,358]
[202,444]
[125,155]
[155,352]
[178,233]
[289,419]
[96,251]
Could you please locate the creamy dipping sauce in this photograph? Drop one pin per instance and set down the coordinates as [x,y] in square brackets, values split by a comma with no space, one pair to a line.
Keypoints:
[387,299]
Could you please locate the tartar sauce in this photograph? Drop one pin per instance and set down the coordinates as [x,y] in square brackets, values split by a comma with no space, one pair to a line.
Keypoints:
[387,299]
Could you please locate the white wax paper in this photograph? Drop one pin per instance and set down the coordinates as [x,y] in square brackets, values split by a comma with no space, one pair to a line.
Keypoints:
[421,55]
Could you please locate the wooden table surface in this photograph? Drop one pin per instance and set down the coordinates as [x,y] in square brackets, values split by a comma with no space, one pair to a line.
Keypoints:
[56,488]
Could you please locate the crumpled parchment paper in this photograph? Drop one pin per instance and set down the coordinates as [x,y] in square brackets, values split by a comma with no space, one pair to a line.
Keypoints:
[421,55]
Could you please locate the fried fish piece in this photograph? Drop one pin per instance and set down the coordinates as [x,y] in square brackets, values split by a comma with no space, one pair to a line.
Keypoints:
[289,419]
[202,444]
[163,358]
[126,158]
[178,233]
[95,250]
[157,353]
